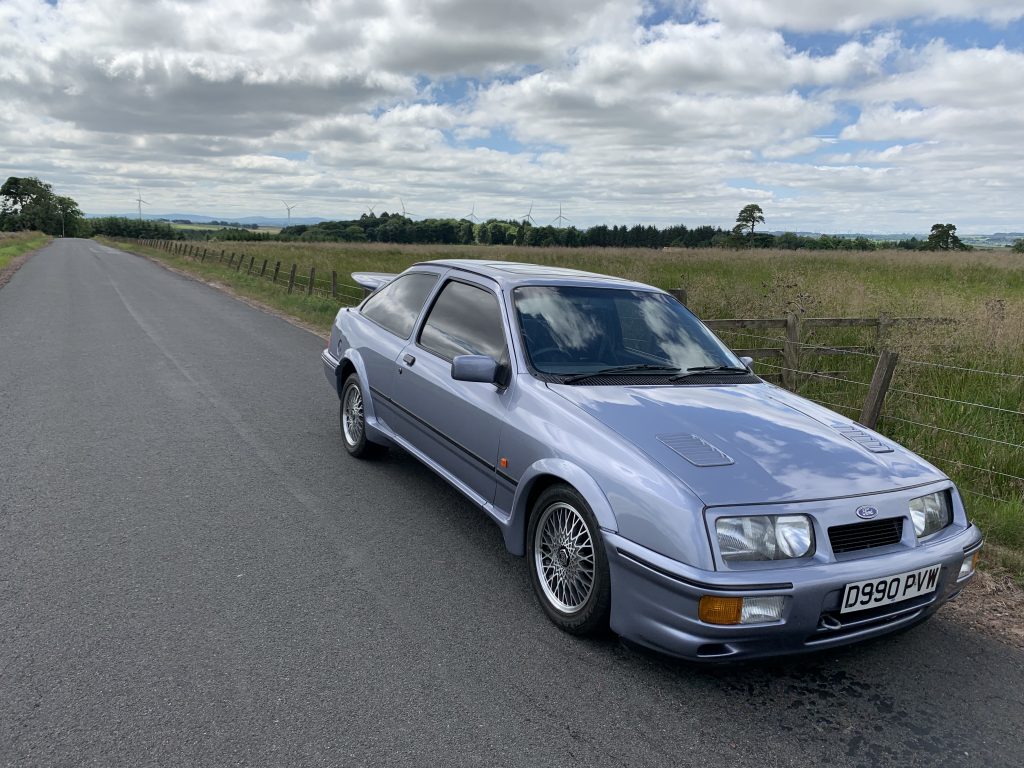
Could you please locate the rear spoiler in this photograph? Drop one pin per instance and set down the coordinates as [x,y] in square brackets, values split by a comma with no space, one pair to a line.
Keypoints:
[373,280]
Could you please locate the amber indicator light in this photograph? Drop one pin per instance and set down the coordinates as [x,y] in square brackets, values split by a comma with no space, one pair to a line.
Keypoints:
[720,610]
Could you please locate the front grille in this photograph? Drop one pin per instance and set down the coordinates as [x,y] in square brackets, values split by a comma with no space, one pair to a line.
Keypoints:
[875,533]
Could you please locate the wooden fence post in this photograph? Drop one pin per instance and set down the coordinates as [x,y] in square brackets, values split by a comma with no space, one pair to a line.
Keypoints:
[263,269]
[252,260]
[312,277]
[291,278]
[241,258]
[791,351]
[884,324]
[679,293]
[203,259]
[334,284]
[277,268]
[880,380]
[221,259]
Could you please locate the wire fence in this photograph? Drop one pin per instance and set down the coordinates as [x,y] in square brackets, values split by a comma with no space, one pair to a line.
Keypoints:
[957,434]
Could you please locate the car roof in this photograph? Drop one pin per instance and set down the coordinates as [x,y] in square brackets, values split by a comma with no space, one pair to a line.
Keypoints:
[511,273]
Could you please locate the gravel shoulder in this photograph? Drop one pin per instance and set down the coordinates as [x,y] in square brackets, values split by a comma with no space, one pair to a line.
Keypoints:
[992,604]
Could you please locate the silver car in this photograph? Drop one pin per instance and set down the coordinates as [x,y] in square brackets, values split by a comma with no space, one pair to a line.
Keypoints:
[653,482]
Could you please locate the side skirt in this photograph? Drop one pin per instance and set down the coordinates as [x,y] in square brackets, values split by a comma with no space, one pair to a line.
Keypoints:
[499,516]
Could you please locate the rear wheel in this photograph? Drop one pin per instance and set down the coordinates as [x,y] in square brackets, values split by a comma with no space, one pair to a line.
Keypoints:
[353,421]
[568,567]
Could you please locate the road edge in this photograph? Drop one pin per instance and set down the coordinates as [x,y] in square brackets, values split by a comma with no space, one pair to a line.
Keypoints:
[18,262]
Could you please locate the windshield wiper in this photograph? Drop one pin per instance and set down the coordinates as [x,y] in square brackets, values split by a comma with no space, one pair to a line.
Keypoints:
[701,369]
[642,368]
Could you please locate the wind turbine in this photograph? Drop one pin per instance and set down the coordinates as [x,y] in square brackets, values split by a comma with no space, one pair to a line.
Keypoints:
[406,214]
[289,209]
[370,209]
[560,217]
[471,216]
[528,218]
[141,202]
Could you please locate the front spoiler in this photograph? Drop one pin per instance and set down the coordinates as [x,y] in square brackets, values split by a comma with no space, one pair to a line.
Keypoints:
[655,600]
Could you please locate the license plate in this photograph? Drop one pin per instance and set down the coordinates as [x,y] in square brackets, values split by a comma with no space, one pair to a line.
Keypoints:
[861,595]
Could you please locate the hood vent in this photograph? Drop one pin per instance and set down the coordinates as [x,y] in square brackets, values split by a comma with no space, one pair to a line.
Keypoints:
[862,438]
[698,452]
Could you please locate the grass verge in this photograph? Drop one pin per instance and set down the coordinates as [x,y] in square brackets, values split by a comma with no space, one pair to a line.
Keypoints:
[14,244]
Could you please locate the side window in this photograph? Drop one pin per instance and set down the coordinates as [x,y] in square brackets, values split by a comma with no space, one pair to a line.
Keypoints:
[465,320]
[397,305]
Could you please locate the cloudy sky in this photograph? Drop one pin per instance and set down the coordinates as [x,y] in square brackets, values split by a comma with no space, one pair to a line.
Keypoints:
[848,115]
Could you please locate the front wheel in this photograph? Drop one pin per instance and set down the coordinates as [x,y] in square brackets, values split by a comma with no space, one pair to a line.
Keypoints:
[568,567]
[353,421]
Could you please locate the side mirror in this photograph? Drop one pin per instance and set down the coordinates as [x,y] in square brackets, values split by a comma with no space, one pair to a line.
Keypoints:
[479,368]
[748,361]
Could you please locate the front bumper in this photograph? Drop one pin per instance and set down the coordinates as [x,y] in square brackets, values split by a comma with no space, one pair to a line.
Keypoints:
[655,600]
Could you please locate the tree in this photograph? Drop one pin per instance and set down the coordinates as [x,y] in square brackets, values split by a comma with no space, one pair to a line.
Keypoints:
[28,203]
[1018,246]
[943,238]
[748,218]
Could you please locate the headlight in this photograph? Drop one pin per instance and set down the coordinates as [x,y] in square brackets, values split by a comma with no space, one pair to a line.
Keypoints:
[765,537]
[930,513]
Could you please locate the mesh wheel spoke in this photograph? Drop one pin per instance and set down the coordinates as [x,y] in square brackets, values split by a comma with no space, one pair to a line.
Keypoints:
[564,557]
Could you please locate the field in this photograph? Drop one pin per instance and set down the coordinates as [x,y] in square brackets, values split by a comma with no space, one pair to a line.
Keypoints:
[217,227]
[958,393]
[13,244]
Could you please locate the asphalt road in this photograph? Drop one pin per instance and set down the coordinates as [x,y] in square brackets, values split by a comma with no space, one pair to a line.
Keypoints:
[193,572]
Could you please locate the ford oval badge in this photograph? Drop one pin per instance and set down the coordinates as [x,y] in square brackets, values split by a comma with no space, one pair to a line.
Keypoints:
[866,513]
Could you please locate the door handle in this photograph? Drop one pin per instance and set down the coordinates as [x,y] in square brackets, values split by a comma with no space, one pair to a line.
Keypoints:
[408,359]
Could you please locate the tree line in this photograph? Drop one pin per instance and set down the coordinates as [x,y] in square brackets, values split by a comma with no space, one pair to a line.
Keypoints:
[28,203]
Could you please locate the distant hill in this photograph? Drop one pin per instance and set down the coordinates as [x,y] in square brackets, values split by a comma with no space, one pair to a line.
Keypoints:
[993,240]
[198,218]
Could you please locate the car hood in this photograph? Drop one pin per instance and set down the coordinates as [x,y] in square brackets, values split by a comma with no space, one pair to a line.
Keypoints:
[755,443]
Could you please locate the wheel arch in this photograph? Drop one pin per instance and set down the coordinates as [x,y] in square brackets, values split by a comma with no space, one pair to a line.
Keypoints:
[352,362]
[345,368]
[538,478]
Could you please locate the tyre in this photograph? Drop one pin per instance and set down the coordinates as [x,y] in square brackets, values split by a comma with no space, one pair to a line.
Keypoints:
[568,566]
[353,421]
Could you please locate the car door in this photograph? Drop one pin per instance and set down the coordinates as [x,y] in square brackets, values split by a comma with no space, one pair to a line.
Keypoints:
[456,423]
[391,313]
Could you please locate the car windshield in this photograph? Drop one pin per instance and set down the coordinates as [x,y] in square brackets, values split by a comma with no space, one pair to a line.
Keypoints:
[574,330]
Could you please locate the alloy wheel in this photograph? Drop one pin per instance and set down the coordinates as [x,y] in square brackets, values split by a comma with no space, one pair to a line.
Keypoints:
[564,557]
